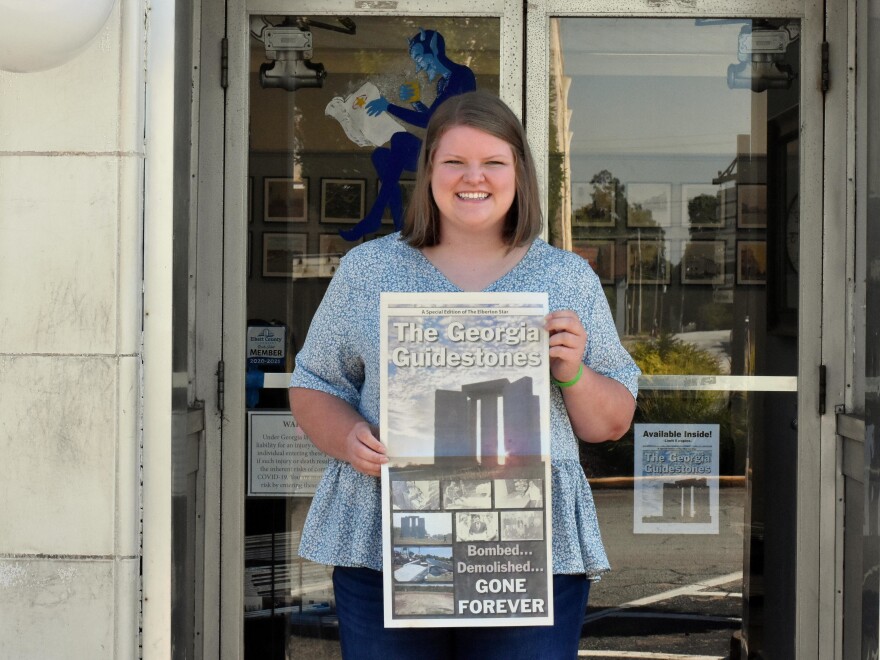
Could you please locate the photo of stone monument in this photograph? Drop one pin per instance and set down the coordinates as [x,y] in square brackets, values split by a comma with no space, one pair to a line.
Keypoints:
[493,422]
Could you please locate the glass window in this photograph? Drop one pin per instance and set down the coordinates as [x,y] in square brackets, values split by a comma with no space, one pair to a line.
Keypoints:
[323,176]
[673,169]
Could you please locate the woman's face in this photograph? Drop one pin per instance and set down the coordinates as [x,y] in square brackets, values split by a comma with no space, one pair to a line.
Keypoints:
[473,181]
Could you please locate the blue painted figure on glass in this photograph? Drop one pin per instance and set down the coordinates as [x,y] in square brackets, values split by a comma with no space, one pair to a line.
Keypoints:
[428,50]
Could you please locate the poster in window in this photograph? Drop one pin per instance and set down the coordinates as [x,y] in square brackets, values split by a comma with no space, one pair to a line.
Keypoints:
[676,479]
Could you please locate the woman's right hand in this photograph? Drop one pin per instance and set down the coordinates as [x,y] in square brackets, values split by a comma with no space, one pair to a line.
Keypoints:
[364,450]
[338,430]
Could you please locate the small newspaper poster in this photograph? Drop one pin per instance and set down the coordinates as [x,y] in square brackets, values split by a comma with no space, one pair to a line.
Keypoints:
[676,485]
[466,492]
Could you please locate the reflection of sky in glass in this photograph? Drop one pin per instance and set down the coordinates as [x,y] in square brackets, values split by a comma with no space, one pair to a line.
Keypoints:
[411,391]
[649,103]
[658,86]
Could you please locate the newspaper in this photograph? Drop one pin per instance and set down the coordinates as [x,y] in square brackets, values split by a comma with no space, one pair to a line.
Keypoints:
[361,128]
[466,521]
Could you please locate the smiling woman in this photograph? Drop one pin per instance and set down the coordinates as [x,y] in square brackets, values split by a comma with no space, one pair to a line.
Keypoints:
[473,183]
[472,226]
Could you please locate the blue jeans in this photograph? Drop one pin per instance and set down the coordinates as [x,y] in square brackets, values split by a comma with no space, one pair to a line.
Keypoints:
[363,635]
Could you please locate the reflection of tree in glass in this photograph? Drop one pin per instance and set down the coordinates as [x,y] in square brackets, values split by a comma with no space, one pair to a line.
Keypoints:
[648,263]
[602,208]
[703,210]
[667,355]
[639,216]
[556,175]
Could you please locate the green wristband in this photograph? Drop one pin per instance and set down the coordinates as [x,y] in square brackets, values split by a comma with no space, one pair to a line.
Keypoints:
[568,383]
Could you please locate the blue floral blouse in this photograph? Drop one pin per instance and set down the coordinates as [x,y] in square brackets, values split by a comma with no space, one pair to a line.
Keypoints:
[341,357]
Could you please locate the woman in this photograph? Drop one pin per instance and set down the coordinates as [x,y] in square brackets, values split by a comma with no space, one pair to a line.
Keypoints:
[473,225]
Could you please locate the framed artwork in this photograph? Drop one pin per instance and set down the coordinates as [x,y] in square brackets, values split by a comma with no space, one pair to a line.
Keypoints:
[751,262]
[406,192]
[285,199]
[701,206]
[331,247]
[751,206]
[283,254]
[600,255]
[702,262]
[342,200]
[647,262]
[648,205]
[593,205]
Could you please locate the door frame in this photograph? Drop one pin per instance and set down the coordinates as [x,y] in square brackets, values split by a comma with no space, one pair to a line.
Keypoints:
[222,303]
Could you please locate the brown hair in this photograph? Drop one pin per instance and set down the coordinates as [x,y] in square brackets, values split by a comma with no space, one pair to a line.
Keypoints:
[485,112]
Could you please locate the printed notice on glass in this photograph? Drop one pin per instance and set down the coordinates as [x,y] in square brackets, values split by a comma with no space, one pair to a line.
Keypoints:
[466,492]
[282,461]
[676,484]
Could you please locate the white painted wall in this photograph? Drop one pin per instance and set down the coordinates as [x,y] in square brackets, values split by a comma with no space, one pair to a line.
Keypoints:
[71,212]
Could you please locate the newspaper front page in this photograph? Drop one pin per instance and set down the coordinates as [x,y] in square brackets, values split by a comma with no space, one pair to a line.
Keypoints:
[466,491]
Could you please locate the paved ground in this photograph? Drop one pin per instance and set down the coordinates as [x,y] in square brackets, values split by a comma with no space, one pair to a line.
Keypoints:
[668,597]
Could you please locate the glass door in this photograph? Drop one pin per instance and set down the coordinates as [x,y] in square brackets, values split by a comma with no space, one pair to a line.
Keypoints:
[329,126]
[674,165]
[674,154]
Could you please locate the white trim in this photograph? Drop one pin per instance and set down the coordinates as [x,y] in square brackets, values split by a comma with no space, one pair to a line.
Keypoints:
[232,489]
[376,7]
[816,446]
[649,382]
[158,246]
[838,314]
[677,8]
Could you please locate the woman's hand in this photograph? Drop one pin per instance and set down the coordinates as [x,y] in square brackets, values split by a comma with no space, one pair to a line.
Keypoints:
[568,339]
[600,408]
[338,430]
[364,450]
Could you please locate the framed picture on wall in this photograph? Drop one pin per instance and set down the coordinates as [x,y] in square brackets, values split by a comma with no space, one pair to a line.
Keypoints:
[702,262]
[342,200]
[647,262]
[648,205]
[751,262]
[285,199]
[600,255]
[701,206]
[593,205]
[284,254]
[406,191]
[751,206]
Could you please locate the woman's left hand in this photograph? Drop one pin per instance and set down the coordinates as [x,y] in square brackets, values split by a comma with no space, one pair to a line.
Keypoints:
[568,339]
